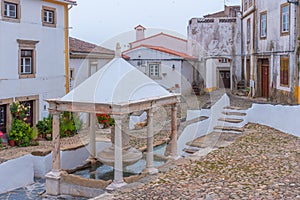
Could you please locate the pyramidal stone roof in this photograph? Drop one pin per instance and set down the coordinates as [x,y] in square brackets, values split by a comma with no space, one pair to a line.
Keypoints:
[118,82]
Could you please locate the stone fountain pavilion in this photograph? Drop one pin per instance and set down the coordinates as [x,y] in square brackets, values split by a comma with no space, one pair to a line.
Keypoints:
[117,89]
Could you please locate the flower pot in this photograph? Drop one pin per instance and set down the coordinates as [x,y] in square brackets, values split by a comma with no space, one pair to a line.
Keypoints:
[12,143]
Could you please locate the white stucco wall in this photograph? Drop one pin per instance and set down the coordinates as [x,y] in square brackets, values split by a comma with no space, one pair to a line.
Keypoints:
[16,173]
[283,118]
[50,54]
[211,75]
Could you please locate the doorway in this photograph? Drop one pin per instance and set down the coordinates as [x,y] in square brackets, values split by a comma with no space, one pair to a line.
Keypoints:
[265,78]
[224,79]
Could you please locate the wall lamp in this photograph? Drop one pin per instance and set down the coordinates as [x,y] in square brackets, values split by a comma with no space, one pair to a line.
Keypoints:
[173,67]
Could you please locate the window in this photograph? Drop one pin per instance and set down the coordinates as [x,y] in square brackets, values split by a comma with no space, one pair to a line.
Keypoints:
[49,16]
[263,25]
[26,62]
[285,18]
[10,10]
[27,66]
[248,31]
[154,70]
[284,71]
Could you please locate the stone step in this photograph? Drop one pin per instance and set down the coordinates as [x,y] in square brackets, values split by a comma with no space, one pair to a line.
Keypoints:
[234,108]
[234,113]
[213,140]
[231,120]
[229,128]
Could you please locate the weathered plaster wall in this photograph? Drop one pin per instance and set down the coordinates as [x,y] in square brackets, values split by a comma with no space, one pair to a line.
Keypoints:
[216,37]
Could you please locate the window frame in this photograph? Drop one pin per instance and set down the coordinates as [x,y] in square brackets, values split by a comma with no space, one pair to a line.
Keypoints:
[283,33]
[248,30]
[7,18]
[45,22]
[24,64]
[30,46]
[284,71]
[261,25]
[152,64]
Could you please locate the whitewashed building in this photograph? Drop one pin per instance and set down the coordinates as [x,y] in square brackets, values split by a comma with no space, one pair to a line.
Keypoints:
[85,59]
[164,58]
[215,40]
[269,48]
[33,55]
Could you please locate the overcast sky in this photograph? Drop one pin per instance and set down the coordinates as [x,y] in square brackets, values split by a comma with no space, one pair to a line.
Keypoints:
[98,21]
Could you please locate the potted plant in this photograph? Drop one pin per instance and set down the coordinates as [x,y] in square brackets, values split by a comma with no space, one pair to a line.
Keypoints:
[44,127]
[105,121]
[21,133]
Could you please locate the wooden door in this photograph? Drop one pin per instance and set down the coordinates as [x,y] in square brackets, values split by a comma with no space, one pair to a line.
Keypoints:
[3,118]
[224,79]
[265,78]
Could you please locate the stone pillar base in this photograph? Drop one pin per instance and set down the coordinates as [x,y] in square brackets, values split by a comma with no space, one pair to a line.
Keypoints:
[115,185]
[53,183]
[151,170]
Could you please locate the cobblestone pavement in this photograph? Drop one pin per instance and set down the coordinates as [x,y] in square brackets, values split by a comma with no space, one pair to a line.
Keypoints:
[264,163]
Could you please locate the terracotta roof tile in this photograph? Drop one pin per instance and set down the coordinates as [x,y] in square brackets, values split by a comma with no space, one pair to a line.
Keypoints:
[79,46]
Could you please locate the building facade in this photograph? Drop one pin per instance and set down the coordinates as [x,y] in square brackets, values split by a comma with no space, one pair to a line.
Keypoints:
[270,49]
[163,58]
[33,54]
[216,40]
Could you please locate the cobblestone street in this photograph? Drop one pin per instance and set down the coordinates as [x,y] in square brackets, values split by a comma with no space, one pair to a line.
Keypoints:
[262,164]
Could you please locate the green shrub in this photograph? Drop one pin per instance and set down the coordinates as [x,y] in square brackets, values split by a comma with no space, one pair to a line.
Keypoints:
[45,126]
[21,132]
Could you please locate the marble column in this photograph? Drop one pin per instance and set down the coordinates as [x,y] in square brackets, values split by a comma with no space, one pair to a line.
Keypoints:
[118,159]
[174,153]
[56,142]
[149,157]
[92,130]
[53,177]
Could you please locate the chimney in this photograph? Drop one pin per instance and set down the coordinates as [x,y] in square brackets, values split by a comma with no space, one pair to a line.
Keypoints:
[140,34]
